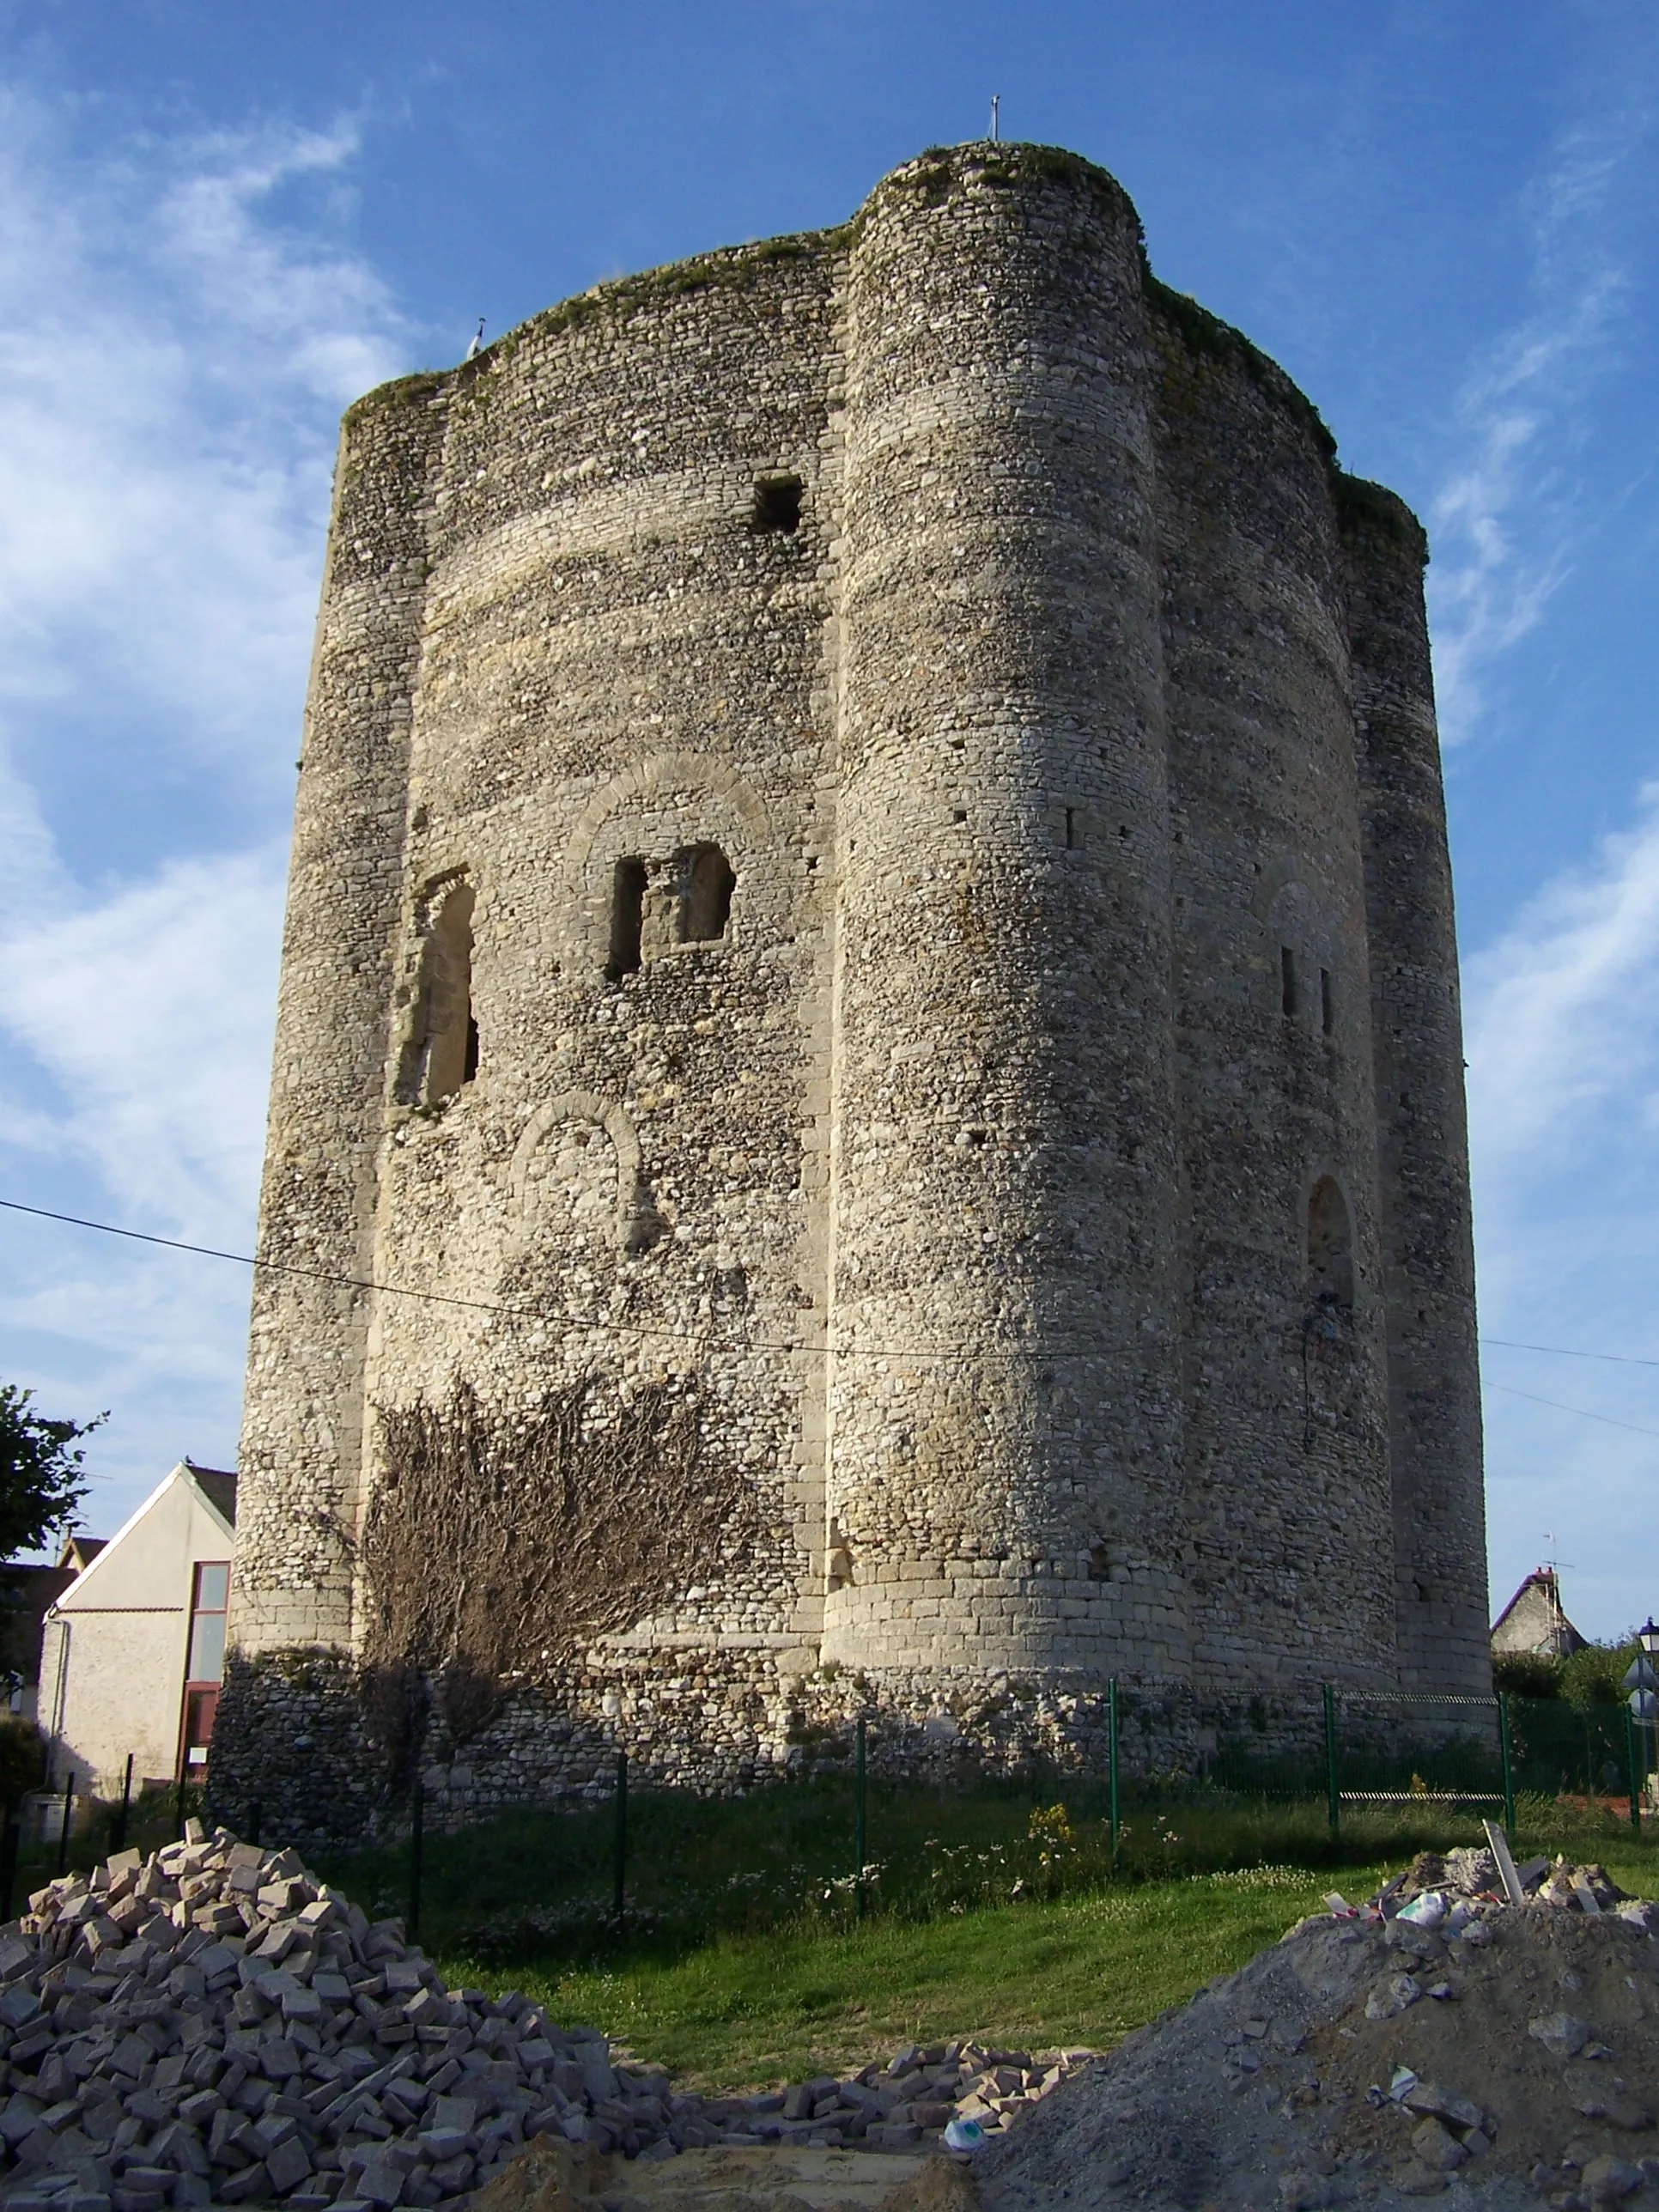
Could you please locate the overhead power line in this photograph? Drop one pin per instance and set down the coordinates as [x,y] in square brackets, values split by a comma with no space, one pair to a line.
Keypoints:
[730,1344]
[1619,1358]
[984,1348]
[1583,1412]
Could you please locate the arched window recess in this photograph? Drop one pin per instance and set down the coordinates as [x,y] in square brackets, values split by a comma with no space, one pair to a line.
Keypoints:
[707,883]
[440,1055]
[1330,1249]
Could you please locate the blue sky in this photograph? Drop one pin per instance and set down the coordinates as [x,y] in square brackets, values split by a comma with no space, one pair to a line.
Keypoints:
[218,225]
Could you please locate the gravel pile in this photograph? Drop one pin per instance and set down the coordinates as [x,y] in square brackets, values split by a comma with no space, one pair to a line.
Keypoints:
[213,2026]
[1439,2038]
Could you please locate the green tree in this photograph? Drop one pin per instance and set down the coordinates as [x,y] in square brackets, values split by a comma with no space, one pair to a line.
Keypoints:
[23,1761]
[42,1479]
[1527,1673]
[1596,1675]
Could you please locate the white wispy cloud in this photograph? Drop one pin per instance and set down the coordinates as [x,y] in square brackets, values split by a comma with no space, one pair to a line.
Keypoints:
[171,364]
[150,1014]
[1562,1041]
[1503,522]
[1564,1009]
[181,323]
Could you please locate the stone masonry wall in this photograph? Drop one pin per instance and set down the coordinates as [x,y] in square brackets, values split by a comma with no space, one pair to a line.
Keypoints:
[870,859]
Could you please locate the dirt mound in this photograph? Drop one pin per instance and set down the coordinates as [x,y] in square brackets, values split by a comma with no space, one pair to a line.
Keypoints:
[560,2178]
[1510,2052]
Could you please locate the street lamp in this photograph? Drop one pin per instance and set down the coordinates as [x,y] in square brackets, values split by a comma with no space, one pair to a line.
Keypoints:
[1643,1683]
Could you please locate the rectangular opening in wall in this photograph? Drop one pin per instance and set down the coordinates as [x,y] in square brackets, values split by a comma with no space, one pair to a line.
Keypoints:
[627,918]
[1071,828]
[438,1057]
[776,505]
[1287,982]
[706,899]
[1327,1004]
[209,1602]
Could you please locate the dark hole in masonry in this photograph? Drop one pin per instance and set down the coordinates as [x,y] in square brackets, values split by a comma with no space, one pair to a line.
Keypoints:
[777,505]
[707,905]
[627,918]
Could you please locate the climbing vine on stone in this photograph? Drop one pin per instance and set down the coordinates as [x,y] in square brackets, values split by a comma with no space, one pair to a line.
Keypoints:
[502,1543]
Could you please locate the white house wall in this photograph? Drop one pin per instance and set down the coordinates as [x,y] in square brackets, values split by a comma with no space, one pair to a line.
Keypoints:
[112,1665]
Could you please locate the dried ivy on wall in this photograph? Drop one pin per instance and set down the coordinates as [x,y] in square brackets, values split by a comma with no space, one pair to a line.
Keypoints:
[500,1545]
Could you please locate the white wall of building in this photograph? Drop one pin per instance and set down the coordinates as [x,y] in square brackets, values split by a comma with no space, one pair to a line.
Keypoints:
[112,1663]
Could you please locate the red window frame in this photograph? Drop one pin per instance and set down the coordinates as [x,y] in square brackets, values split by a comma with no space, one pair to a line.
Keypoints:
[200,1703]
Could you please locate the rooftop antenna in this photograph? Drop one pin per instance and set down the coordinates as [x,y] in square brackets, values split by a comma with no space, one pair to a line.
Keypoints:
[476,346]
[996,125]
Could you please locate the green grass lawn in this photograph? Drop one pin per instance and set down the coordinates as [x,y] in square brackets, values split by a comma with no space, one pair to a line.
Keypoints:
[994,1911]
[747,2010]
[745,1965]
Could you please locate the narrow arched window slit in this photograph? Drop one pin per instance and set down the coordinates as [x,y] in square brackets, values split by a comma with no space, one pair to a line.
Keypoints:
[1330,1247]
[441,1054]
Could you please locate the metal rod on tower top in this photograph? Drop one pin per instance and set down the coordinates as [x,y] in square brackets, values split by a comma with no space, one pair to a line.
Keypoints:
[996,125]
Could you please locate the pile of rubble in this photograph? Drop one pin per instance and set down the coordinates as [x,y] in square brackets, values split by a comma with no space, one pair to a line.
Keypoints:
[908,2101]
[1477,2026]
[212,2026]
[1472,1882]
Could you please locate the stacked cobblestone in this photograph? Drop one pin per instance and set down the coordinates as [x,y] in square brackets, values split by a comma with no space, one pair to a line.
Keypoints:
[213,2026]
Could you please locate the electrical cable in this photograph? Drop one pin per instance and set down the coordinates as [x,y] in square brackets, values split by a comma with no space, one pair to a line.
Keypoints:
[540,1313]
[1583,1412]
[1620,1359]
[749,1344]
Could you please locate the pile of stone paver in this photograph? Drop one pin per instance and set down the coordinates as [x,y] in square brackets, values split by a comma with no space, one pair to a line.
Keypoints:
[213,2026]
[895,2105]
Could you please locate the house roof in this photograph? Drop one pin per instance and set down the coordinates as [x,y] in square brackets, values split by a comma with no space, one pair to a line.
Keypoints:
[219,1489]
[1535,1621]
[216,1488]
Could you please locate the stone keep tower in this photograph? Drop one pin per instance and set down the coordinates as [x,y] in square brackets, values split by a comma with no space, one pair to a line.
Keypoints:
[870,915]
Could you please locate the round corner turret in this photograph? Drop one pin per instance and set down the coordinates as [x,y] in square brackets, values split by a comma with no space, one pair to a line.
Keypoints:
[1371,516]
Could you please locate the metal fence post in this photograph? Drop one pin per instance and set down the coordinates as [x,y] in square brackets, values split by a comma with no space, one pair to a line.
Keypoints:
[126,1806]
[69,1815]
[417,1843]
[1509,1761]
[180,1800]
[9,1839]
[1111,1761]
[1630,1769]
[858,1821]
[620,1845]
[1333,1797]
